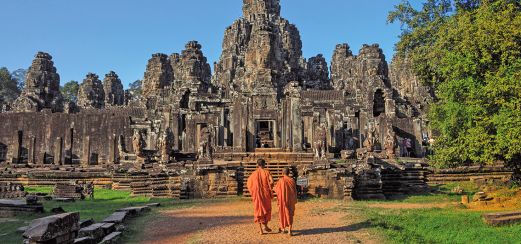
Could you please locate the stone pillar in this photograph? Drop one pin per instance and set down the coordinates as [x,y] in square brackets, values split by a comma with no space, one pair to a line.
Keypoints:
[276,139]
[175,129]
[296,124]
[418,130]
[85,157]
[58,151]
[31,155]
[113,149]
[17,148]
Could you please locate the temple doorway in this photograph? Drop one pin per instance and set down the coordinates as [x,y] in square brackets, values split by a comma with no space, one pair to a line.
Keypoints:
[264,134]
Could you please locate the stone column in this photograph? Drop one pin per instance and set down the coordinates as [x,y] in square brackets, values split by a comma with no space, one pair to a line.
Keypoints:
[32,151]
[113,143]
[296,124]
[58,151]
[85,157]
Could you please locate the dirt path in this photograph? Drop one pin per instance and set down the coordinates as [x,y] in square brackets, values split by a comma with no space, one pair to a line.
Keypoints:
[232,222]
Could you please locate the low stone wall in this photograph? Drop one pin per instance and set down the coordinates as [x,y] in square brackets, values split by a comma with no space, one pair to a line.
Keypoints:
[494,174]
[10,191]
[327,181]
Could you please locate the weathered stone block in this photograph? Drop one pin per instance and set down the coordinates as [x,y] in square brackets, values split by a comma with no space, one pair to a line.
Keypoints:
[59,227]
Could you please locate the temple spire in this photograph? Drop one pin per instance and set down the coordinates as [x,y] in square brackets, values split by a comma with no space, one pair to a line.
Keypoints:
[266,7]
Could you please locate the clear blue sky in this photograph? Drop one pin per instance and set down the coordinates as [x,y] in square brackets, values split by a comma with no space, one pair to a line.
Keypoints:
[121,35]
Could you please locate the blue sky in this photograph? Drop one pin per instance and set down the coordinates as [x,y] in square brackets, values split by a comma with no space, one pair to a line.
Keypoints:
[121,35]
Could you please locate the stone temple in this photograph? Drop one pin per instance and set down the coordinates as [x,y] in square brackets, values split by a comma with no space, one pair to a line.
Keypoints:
[196,132]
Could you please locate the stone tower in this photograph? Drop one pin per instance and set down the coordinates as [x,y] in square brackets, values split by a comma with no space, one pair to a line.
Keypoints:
[114,93]
[91,93]
[191,68]
[261,51]
[42,87]
[157,76]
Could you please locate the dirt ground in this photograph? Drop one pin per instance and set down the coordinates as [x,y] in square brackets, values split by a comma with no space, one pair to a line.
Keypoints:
[232,222]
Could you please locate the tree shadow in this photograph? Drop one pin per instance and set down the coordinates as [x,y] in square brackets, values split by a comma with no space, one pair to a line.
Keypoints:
[347,228]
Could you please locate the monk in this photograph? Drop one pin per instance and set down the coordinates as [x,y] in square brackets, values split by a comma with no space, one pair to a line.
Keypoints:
[260,184]
[286,190]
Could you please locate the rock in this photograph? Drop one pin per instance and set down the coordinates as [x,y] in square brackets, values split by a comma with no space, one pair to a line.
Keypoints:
[94,231]
[91,93]
[42,87]
[87,222]
[85,240]
[457,190]
[108,228]
[45,230]
[479,197]
[464,199]
[112,238]
[22,229]
[58,210]
[134,211]
[31,200]
[153,205]
[117,217]
[64,199]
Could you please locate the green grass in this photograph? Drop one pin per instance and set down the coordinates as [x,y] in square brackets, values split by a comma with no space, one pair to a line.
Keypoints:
[449,225]
[452,224]
[104,204]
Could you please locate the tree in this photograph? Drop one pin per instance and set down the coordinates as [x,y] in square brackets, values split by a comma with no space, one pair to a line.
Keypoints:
[472,58]
[9,90]
[19,75]
[70,91]
[135,90]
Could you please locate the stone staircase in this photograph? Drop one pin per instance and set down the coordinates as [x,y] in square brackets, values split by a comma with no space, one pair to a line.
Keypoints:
[500,219]
[402,181]
[275,169]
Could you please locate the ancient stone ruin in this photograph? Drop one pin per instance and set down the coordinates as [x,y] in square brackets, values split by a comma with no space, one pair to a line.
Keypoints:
[198,134]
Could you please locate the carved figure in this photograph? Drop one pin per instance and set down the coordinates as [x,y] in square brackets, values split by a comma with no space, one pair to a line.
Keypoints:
[165,144]
[138,144]
[205,146]
[390,143]
[371,139]
[320,142]
[349,141]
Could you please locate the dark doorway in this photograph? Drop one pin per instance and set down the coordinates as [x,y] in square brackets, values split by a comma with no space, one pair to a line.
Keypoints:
[264,136]
[378,103]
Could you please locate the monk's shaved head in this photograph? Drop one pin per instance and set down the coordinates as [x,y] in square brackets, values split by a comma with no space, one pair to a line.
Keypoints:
[285,171]
[261,163]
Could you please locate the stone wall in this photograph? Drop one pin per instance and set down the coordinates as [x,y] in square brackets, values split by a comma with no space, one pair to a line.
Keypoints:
[86,138]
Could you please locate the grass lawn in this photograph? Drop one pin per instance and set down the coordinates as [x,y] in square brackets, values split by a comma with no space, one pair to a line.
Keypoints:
[450,224]
[436,225]
[104,204]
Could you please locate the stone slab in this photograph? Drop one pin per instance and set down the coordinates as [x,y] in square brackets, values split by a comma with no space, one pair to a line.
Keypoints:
[134,211]
[112,238]
[117,218]
[85,240]
[95,231]
[52,227]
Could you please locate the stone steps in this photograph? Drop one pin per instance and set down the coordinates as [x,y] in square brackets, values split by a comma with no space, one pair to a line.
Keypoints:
[500,219]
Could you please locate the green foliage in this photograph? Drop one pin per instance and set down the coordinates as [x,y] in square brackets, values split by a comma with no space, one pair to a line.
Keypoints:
[9,90]
[135,89]
[70,91]
[472,57]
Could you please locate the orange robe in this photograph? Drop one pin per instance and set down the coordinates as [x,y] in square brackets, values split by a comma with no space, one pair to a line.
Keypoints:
[286,190]
[259,184]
